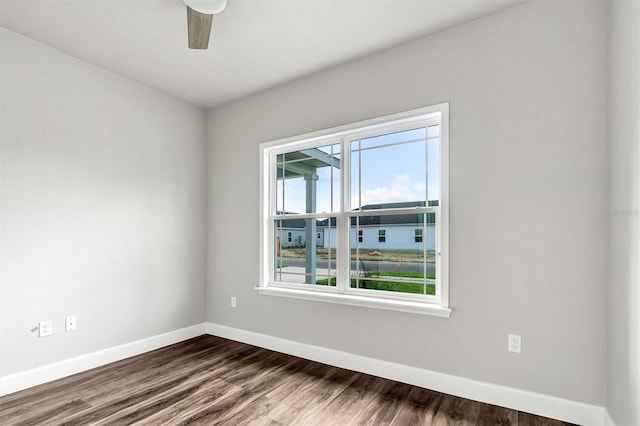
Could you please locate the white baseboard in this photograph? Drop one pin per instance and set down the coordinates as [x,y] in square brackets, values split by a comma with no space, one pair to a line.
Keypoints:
[530,402]
[46,373]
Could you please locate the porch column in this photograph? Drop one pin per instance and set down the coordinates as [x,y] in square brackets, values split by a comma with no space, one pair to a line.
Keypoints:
[310,225]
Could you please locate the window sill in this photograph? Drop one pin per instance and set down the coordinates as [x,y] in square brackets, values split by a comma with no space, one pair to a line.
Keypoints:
[362,301]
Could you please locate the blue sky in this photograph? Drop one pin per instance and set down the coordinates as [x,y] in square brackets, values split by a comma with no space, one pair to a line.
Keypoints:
[391,173]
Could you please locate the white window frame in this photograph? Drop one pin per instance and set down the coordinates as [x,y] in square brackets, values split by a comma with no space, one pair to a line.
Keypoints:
[342,293]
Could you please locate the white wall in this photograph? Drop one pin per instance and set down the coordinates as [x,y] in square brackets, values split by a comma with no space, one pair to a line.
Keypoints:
[528,95]
[624,284]
[102,211]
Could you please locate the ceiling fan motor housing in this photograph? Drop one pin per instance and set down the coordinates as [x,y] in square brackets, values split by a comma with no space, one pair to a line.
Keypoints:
[208,7]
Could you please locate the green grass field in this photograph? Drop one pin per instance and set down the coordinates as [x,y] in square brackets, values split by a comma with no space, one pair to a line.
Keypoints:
[374,283]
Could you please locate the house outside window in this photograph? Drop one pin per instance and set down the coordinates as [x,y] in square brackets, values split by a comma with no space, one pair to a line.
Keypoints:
[329,181]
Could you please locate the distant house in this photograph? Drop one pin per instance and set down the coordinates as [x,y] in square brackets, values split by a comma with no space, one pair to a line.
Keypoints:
[292,233]
[388,232]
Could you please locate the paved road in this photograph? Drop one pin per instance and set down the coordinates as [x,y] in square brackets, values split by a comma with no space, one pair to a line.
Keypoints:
[379,266]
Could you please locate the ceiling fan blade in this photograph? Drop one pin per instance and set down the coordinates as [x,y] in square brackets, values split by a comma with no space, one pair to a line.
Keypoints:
[199,27]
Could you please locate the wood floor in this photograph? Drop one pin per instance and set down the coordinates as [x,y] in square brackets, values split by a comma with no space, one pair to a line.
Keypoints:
[214,381]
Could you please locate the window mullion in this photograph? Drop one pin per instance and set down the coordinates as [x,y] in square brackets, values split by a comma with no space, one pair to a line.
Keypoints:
[425,244]
[438,258]
[343,221]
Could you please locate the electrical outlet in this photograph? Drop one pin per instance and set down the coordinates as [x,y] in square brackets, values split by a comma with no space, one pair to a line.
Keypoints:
[45,328]
[515,343]
[70,323]
[234,302]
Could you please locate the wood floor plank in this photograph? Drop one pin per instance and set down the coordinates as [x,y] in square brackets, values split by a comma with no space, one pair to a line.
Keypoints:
[213,381]
[150,372]
[526,419]
[52,413]
[173,409]
[351,404]
[413,414]
[387,405]
[419,407]
[270,372]
[308,392]
[135,391]
[255,413]
[196,393]
[456,411]
[492,415]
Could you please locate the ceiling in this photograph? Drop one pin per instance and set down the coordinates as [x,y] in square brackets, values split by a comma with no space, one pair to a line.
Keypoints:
[255,44]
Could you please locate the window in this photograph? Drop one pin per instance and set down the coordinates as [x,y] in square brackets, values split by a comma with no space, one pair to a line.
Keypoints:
[387,174]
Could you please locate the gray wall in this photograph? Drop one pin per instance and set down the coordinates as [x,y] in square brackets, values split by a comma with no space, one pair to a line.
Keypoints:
[102,189]
[624,283]
[528,95]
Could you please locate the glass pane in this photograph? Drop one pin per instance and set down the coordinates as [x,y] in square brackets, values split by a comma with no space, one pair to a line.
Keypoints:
[305,251]
[398,137]
[308,180]
[434,172]
[433,131]
[279,193]
[400,263]
[392,176]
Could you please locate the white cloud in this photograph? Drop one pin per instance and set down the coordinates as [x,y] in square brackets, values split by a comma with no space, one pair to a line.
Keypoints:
[402,188]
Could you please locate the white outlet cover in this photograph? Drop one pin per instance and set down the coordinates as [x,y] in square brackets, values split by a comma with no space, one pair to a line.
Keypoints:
[515,343]
[45,328]
[70,323]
